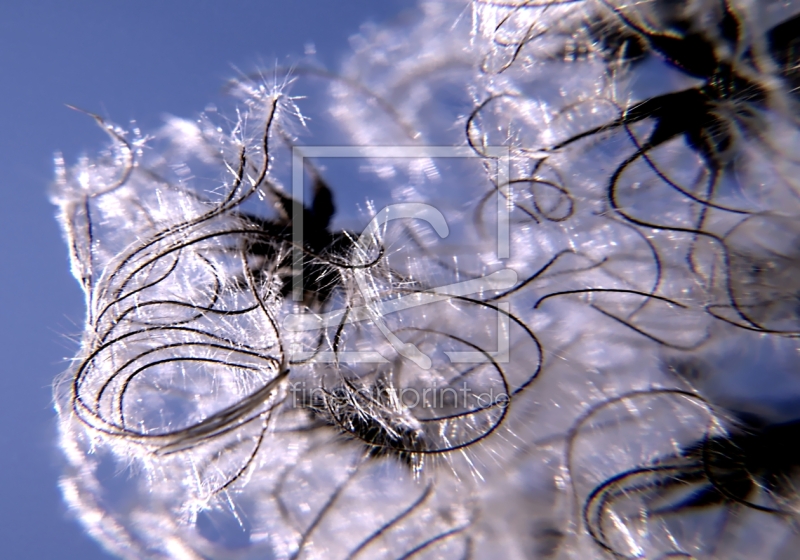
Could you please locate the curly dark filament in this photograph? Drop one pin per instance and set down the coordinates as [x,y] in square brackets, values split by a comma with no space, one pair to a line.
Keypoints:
[599,500]
[656,259]
[255,233]
[225,421]
[141,288]
[209,427]
[422,547]
[532,180]
[661,341]
[392,448]
[537,370]
[479,208]
[79,375]
[470,124]
[317,347]
[553,185]
[540,272]
[614,203]
[713,170]
[499,402]
[432,257]
[649,296]
[518,46]
[228,203]
[375,448]
[306,535]
[181,359]
[260,303]
[246,465]
[631,395]
[267,313]
[87,273]
[711,166]
[642,152]
[391,523]
[200,310]
[183,226]
[735,491]
[86,364]
[126,148]
[217,425]
[750,326]
[608,290]
[233,344]
[175,359]
[577,426]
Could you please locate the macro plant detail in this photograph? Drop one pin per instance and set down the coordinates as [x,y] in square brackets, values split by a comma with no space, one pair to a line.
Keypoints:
[578,227]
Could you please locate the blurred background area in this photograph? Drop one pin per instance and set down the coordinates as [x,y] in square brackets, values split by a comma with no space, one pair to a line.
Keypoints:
[124,61]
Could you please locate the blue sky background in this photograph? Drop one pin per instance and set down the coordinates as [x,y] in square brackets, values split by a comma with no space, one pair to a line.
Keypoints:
[133,60]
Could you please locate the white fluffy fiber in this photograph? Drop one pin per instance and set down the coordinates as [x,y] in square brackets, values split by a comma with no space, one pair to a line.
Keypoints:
[179,421]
